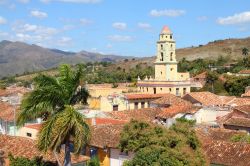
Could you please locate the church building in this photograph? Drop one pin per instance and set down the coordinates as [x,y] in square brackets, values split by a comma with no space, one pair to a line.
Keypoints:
[167,79]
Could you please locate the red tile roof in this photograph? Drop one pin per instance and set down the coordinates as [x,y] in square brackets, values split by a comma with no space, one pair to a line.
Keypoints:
[110,121]
[239,101]
[7,111]
[202,75]
[244,72]
[105,135]
[143,96]
[13,90]
[205,98]
[176,109]
[221,151]
[243,108]
[25,147]
[237,121]
[146,114]
[37,126]
[165,29]
[169,99]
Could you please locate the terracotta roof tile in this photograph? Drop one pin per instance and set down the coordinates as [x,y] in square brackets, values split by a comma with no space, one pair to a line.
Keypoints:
[175,109]
[239,101]
[202,75]
[106,135]
[169,99]
[237,121]
[25,147]
[7,111]
[205,98]
[143,96]
[146,114]
[37,126]
[13,90]
[219,150]
[108,121]
[243,108]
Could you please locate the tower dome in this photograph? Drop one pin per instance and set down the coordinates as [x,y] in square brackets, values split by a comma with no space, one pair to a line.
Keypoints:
[165,30]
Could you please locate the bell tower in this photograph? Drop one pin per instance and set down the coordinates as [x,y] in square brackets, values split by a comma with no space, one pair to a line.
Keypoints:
[166,64]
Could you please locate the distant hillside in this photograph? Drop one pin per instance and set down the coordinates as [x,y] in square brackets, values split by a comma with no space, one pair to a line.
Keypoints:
[231,48]
[18,57]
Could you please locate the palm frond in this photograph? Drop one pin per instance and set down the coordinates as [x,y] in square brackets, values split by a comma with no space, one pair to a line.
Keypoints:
[80,95]
[67,124]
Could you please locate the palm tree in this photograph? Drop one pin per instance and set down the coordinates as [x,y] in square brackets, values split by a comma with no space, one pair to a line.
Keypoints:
[53,100]
[245,51]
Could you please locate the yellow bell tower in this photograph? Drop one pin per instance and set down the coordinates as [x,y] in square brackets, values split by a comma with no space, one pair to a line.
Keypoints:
[166,64]
[167,79]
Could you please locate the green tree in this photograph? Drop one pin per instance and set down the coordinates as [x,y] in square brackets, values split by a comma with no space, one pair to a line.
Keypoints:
[155,145]
[211,78]
[245,51]
[53,100]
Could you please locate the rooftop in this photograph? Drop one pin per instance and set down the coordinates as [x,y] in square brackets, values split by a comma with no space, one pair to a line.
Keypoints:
[165,30]
[143,96]
[25,147]
[205,98]
[169,99]
[238,121]
[176,109]
[7,111]
[106,135]
[13,90]
[146,114]
[202,75]
[239,101]
[221,151]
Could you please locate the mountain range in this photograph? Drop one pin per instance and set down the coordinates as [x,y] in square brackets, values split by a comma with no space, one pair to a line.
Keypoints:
[19,57]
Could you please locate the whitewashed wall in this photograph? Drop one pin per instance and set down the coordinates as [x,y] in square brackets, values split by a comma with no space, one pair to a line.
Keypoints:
[116,159]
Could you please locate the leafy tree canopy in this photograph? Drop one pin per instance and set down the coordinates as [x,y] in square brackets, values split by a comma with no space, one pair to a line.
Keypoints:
[155,145]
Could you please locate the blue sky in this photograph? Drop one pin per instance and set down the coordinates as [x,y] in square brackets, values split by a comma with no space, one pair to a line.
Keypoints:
[123,27]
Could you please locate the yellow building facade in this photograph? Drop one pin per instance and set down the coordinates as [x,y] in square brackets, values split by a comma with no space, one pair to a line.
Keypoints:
[167,79]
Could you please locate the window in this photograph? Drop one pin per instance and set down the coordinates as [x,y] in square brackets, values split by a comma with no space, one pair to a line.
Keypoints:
[93,152]
[29,134]
[170,89]
[142,104]
[171,36]
[161,72]
[115,107]
[161,46]
[154,90]
[147,89]
[171,45]
[171,56]
[148,104]
[136,105]
[172,69]
[161,56]
[177,91]
[161,88]
[184,91]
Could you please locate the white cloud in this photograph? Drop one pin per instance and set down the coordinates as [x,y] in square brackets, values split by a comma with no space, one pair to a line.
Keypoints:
[120,38]
[3,34]
[109,45]
[144,25]
[167,13]
[238,18]
[2,20]
[73,1]
[24,1]
[119,25]
[64,41]
[38,14]
[85,21]
[202,18]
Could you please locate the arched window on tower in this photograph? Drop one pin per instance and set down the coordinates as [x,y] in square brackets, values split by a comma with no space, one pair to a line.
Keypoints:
[171,56]
[161,56]
[171,36]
